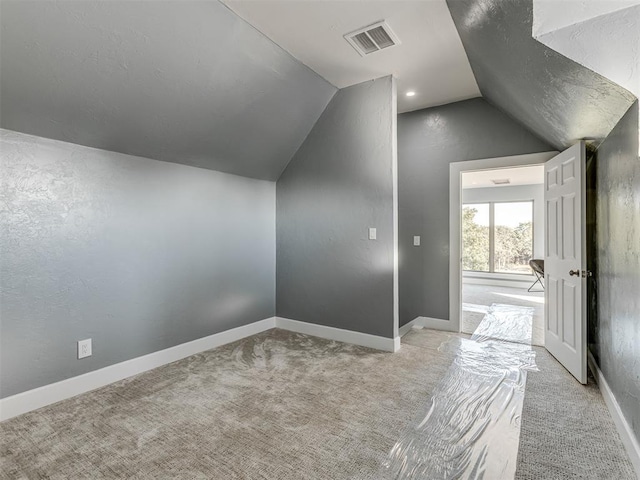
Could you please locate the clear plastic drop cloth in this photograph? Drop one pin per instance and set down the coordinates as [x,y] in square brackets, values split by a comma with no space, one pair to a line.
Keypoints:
[470,427]
[509,323]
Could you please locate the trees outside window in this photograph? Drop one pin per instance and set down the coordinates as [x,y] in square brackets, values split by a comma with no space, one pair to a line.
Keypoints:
[475,238]
[497,237]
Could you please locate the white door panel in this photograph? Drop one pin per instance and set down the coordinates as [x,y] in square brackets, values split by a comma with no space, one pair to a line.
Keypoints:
[565,260]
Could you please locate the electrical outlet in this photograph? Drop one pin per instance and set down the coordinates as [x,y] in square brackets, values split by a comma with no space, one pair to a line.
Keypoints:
[84,348]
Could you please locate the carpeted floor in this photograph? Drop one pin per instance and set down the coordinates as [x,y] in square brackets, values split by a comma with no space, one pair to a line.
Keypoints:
[285,406]
[274,406]
[477,299]
[566,430]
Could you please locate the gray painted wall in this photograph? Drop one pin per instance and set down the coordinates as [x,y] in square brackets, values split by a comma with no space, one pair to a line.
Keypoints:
[615,331]
[186,82]
[138,255]
[558,99]
[428,140]
[337,186]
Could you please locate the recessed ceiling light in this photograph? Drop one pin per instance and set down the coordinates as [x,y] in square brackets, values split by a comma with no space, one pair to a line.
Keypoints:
[410,93]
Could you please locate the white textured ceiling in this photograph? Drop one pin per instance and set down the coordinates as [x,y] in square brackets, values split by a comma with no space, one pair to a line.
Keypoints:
[607,42]
[430,59]
[532,175]
[602,35]
[550,15]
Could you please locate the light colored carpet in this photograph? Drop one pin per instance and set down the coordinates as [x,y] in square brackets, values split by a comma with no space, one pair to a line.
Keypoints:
[274,406]
[470,426]
[477,299]
[285,406]
[566,429]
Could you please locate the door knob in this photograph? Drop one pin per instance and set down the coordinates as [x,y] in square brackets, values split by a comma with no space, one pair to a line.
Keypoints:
[574,273]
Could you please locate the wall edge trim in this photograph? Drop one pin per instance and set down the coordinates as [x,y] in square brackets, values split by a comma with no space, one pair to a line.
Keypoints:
[437,324]
[406,328]
[631,444]
[339,334]
[395,207]
[70,387]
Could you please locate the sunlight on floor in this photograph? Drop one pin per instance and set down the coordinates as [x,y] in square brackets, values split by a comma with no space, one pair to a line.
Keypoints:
[478,298]
[472,307]
[526,298]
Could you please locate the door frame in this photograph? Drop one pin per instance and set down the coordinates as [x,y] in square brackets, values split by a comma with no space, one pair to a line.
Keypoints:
[455,213]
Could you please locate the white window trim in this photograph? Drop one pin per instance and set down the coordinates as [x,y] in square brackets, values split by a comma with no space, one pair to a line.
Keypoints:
[492,238]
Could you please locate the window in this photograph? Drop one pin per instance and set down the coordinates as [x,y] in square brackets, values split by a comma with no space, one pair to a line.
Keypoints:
[497,237]
[476,246]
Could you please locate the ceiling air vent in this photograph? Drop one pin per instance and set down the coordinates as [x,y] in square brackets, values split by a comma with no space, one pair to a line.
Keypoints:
[372,38]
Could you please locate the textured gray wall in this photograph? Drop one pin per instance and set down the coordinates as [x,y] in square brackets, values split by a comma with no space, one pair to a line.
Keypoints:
[556,98]
[137,254]
[615,333]
[428,140]
[337,186]
[186,82]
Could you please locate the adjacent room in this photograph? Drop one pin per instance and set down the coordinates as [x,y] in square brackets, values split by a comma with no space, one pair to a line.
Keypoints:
[320,240]
[503,244]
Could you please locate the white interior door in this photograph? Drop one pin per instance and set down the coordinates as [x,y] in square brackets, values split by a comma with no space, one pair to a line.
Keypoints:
[565,260]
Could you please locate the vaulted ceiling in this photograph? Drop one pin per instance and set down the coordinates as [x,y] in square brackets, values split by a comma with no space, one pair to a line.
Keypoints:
[556,98]
[602,36]
[180,81]
[191,82]
[429,60]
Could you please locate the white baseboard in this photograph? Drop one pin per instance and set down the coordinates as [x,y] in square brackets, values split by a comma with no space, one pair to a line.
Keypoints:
[406,328]
[55,392]
[624,429]
[426,322]
[435,324]
[48,394]
[521,284]
[340,335]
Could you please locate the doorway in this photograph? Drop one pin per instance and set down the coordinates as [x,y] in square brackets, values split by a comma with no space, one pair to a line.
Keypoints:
[502,215]
[565,273]
[497,227]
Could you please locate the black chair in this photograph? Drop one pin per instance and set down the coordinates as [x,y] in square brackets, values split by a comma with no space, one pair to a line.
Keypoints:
[537,266]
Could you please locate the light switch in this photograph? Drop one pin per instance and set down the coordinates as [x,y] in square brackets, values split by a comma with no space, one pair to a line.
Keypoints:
[372,234]
[416,240]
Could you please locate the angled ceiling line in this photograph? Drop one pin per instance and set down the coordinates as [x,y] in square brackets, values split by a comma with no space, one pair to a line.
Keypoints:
[554,97]
[107,75]
[430,60]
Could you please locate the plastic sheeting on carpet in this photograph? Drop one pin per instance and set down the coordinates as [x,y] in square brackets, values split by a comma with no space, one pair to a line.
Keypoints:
[471,427]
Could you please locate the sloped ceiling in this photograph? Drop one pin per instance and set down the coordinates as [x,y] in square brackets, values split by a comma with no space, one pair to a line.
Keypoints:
[429,60]
[607,43]
[552,15]
[558,99]
[182,81]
